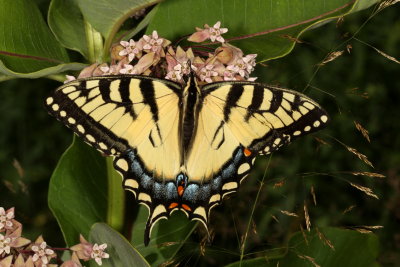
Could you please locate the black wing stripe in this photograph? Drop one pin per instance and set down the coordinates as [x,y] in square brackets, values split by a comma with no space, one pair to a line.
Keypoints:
[84,92]
[296,103]
[124,91]
[234,95]
[256,101]
[147,89]
[220,128]
[276,100]
[104,86]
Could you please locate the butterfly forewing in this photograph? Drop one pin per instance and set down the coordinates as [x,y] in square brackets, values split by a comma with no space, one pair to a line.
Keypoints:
[111,112]
[263,118]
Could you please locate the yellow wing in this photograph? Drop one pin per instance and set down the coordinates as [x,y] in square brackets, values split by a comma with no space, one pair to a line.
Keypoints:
[135,119]
[116,114]
[239,120]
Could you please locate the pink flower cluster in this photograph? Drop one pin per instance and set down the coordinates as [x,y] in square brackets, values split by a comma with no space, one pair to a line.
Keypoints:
[17,251]
[154,56]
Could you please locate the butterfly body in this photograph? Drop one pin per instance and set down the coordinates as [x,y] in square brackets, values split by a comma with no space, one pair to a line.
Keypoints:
[183,147]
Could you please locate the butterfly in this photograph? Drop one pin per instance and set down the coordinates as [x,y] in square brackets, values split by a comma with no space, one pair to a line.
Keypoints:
[183,147]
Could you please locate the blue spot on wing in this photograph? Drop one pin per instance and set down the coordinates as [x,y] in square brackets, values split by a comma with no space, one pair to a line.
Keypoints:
[191,193]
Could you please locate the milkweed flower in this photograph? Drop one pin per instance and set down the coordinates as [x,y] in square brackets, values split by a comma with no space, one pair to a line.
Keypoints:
[98,253]
[131,49]
[6,218]
[213,33]
[42,253]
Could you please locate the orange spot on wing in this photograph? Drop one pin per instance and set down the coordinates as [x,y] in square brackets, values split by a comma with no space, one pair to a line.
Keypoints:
[181,189]
[173,205]
[186,207]
[246,152]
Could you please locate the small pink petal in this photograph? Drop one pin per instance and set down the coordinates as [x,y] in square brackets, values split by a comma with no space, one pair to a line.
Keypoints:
[98,260]
[123,52]
[220,39]
[146,38]
[124,43]
[147,46]
[131,57]
[43,245]
[217,25]
[223,30]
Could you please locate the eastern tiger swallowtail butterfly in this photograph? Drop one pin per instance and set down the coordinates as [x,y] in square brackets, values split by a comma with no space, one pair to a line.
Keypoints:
[182,147]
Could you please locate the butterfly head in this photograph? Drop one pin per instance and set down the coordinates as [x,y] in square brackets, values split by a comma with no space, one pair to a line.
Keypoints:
[191,85]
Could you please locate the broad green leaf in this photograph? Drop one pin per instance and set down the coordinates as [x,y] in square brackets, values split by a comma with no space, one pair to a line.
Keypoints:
[351,248]
[266,28]
[43,72]
[168,236]
[107,16]
[78,191]
[26,43]
[66,21]
[120,251]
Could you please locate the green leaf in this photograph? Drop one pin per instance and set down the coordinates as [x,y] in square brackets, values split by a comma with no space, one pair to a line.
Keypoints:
[26,43]
[43,72]
[262,27]
[143,24]
[168,236]
[120,251]
[78,191]
[107,16]
[94,43]
[116,197]
[363,4]
[66,21]
[351,248]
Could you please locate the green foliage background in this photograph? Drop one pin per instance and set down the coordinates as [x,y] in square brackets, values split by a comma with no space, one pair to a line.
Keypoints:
[359,86]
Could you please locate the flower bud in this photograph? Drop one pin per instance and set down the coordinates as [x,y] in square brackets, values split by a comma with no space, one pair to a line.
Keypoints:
[115,50]
[224,54]
[97,71]
[88,71]
[199,36]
